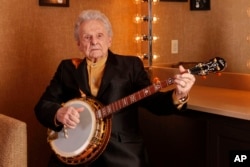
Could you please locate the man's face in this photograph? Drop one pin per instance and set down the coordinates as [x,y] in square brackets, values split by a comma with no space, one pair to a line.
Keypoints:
[94,40]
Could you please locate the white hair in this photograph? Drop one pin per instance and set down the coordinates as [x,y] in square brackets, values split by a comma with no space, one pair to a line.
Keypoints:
[92,15]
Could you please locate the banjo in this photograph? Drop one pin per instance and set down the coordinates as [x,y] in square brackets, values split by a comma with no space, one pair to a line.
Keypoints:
[85,143]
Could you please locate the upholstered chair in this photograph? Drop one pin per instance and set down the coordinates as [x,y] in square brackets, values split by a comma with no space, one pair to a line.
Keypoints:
[13,142]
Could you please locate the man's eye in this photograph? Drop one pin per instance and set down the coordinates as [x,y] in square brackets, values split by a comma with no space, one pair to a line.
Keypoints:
[86,37]
[100,36]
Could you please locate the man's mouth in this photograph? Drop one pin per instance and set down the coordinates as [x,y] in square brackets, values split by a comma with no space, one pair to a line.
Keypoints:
[94,49]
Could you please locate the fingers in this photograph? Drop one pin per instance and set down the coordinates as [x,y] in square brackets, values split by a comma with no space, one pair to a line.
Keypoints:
[74,117]
[69,116]
[184,82]
[79,109]
[182,69]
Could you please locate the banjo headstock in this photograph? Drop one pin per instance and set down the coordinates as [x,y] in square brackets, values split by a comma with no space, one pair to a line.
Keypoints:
[214,65]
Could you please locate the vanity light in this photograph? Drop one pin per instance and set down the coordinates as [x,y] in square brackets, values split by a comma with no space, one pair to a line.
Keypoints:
[155,38]
[144,37]
[141,1]
[145,56]
[139,19]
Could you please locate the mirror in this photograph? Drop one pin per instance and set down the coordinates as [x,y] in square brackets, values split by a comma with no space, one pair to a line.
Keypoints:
[223,31]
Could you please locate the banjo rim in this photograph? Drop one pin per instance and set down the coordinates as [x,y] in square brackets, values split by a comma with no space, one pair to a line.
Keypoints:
[98,141]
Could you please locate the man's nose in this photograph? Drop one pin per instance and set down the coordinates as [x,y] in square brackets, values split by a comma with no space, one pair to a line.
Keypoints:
[93,40]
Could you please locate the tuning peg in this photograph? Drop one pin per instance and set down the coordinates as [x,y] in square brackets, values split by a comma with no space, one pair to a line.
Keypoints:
[203,72]
[218,73]
[218,68]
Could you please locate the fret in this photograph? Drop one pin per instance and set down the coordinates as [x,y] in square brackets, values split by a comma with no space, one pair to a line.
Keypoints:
[112,107]
[132,98]
[104,112]
[99,114]
[124,100]
[139,95]
[115,106]
[119,104]
[109,109]
[146,92]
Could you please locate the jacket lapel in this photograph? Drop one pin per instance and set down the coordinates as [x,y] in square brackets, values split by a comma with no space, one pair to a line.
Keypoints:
[82,78]
[108,73]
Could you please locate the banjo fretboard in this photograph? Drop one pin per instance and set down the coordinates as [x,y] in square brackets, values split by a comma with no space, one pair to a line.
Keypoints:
[133,98]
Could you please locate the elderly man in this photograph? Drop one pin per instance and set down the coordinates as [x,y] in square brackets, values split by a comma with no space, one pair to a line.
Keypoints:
[107,77]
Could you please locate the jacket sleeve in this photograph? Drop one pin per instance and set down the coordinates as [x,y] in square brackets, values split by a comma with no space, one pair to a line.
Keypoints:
[160,103]
[51,101]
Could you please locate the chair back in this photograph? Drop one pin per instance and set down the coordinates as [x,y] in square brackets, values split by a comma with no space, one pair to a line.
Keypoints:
[13,142]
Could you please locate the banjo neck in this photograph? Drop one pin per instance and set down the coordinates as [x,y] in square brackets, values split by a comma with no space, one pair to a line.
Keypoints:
[133,98]
[214,65]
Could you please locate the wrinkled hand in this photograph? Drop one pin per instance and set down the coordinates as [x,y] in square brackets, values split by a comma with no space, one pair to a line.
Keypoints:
[69,116]
[184,82]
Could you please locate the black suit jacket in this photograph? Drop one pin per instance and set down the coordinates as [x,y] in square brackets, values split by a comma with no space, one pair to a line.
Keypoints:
[123,76]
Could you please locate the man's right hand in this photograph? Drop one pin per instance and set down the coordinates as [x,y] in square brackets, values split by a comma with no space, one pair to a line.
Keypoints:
[69,116]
